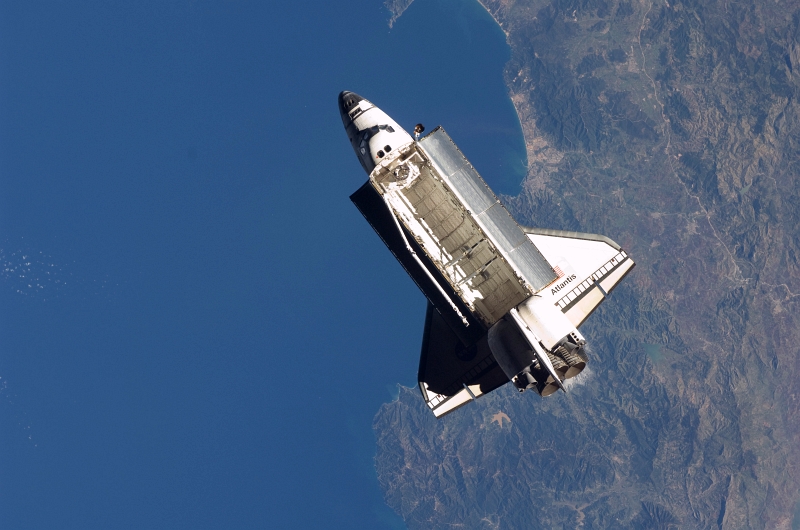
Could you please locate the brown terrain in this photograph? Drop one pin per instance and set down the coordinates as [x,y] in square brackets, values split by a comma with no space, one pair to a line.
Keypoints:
[672,127]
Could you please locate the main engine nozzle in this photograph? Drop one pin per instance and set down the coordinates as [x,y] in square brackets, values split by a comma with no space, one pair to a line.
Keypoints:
[524,380]
[574,356]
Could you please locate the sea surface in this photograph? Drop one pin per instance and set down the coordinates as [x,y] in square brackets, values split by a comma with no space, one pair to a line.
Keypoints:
[197,327]
[451,56]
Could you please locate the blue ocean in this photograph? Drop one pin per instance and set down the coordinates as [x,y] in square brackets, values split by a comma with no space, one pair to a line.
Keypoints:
[197,327]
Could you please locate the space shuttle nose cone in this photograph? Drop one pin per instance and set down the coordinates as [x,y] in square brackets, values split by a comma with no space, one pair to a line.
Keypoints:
[348,100]
[372,133]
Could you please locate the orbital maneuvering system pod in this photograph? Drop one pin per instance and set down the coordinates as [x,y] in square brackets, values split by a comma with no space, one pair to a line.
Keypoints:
[504,301]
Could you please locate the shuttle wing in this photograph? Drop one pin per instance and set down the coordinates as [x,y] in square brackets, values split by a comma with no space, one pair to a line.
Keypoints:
[589,267]
[450,374]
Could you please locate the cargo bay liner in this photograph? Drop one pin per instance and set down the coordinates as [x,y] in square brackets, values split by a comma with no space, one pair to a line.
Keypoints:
[504,301]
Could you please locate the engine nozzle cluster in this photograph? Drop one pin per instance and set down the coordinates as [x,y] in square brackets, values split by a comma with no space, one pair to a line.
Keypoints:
[568,359]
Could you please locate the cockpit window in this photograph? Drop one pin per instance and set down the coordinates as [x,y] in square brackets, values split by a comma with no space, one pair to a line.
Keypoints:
[366,134]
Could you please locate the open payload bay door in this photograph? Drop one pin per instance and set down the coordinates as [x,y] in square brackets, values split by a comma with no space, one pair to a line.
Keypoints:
[465,233]
[589,267]
[451,374]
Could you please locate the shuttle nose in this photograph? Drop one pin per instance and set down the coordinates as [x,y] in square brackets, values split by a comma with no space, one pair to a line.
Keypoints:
[347,100]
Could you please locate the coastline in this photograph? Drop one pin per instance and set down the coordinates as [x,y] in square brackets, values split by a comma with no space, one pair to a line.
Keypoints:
[539,154]
[673,212]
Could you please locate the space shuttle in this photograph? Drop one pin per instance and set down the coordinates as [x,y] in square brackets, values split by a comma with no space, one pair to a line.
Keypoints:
[504,301]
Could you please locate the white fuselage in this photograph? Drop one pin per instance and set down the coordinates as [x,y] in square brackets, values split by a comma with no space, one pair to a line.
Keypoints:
[528,289]
[372,133]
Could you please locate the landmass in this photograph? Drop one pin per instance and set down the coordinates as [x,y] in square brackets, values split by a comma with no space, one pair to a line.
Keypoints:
[672,127]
